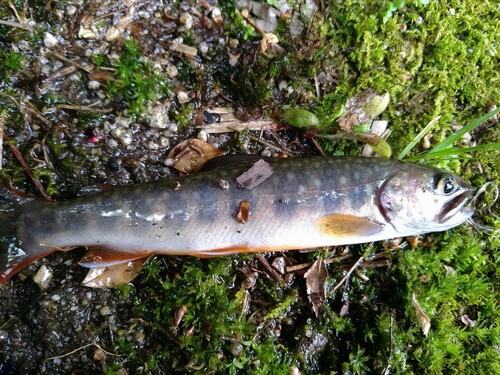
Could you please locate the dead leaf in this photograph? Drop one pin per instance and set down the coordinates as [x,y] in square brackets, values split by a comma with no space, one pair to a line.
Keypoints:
[423,319]
[362,108]
[467,321]
[190,155]
[109,277]
[316,277]
[243,212]
[345,309]
[179,314]
[257,174]
[184,49]
[421,241]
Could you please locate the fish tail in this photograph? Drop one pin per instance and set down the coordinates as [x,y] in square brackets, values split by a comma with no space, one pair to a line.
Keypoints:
[15,251]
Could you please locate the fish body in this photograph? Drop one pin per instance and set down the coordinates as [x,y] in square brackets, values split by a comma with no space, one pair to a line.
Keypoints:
[304,203]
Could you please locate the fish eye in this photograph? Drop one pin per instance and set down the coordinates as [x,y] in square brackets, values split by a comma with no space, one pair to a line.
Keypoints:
[447,185]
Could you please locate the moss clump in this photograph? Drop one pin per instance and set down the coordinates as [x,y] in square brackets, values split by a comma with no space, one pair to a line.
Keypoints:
[136,82]
[213,333]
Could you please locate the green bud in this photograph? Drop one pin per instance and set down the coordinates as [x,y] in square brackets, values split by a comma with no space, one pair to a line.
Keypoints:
[300,118]
[377,105]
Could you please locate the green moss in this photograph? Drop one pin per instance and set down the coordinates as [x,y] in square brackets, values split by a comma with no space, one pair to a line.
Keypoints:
[136,83]
[12,62]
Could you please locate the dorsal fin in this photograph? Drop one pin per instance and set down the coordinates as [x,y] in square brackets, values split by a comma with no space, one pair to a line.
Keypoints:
[230,161]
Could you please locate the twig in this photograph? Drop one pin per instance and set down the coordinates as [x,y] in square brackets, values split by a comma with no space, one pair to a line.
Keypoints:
[246,16]
[26,168]
[367,264]
[318,146]
[1,142]
[387,369]
[7,322]
[65,59]
[270,269]
[84,108]
[16,25]
[265,143]
[344,279]
[11,6]
[84,347]
[298,267]
[26,106]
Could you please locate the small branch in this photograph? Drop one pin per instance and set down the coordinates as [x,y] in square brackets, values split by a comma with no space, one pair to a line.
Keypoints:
[84,108]
[318,146]
[26,168]
[367,264]
[265,143]
[65,59]
[346,277]
[16,25]
[246,16]
[84,347]
[270,269]
[298,267]
[1,142]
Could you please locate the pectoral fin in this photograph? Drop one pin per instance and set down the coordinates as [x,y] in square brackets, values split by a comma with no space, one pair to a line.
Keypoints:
[100,257]
[341,226]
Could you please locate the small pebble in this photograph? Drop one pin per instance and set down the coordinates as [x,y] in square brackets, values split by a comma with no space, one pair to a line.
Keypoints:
[43,277]
[94,85]
[173,127]
[233,43]
[49,40]
[70,10]
[112,143]
[202,135]
[164,142]
[104,311]
[236,348]
[203,47]
[267,153]
[187,20]
[279,264]
[172,71]
[55,297]
[152,145]
[183,97]
[168,162]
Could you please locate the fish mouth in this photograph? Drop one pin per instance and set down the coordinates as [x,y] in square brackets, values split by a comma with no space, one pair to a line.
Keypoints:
[455,205]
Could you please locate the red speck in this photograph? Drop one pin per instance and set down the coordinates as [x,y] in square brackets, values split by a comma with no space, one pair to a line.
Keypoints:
[93,139]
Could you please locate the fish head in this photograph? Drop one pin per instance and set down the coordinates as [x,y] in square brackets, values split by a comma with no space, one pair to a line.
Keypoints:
[418,199]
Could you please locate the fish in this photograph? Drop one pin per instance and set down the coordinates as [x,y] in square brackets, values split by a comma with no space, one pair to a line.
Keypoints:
[303,203]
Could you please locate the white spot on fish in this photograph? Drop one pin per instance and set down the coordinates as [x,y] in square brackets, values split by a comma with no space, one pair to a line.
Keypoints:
[151,217]
[112,213]
[333,194]
[184,214]
[116,213]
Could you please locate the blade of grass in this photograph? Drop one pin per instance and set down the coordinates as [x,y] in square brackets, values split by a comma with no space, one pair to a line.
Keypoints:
[457,135]
[442,154]
[419,136]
